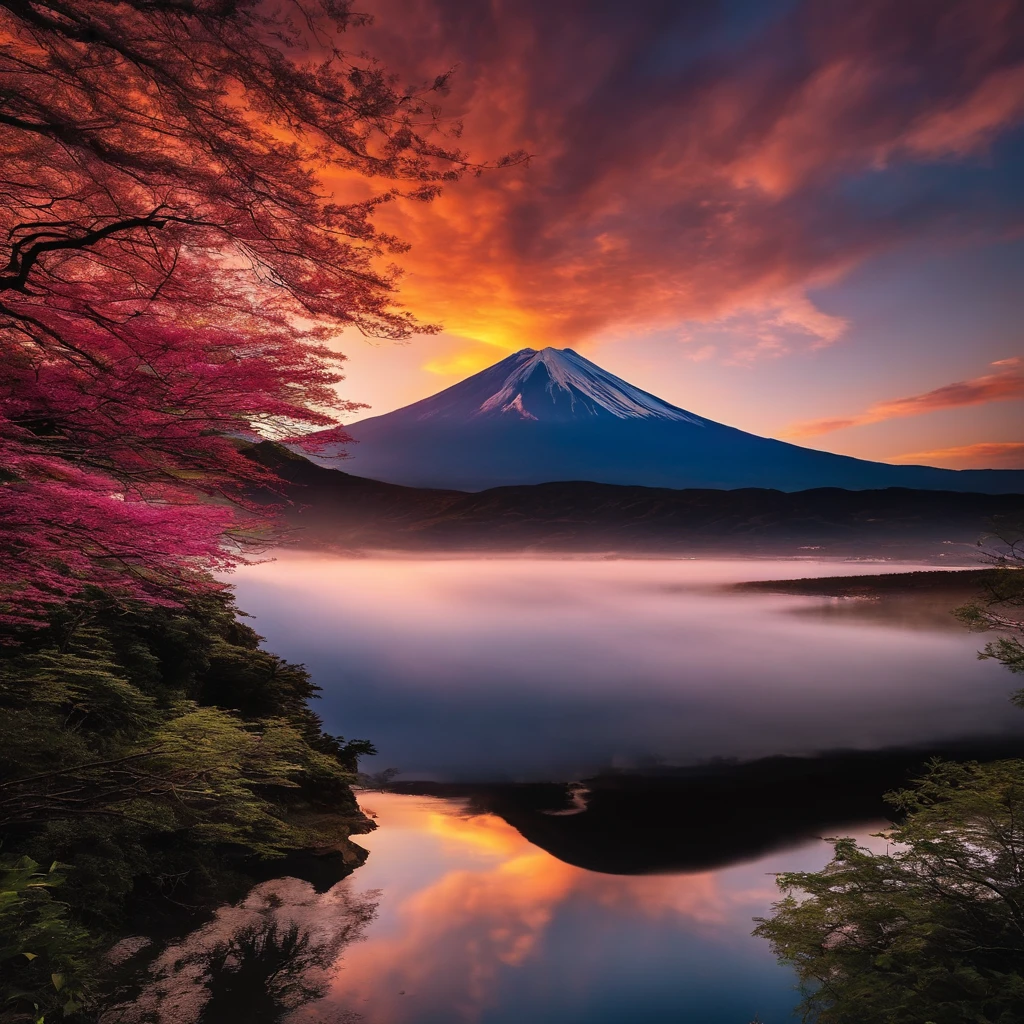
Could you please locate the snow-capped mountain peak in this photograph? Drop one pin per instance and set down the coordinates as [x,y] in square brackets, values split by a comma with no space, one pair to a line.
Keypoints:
[551,415]
[561,384]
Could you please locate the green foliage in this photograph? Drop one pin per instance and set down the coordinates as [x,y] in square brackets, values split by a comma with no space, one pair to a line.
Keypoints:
[932,930]
[1001,607]
[1010,652]
[43,954]
[156,750]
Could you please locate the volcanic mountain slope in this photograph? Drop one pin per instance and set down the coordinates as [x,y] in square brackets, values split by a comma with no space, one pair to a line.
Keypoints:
[551,415]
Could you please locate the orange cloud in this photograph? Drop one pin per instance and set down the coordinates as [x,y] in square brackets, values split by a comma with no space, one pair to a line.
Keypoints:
[983,455]
[677,178]
[1007,383]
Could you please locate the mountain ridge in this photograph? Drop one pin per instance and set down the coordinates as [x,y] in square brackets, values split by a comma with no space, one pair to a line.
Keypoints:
[548,415]
[331,509]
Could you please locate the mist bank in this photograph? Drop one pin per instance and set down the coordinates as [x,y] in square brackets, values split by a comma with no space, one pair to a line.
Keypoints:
[332,510]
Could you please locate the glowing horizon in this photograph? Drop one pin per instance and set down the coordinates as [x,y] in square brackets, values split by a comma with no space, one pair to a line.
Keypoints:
[762,215]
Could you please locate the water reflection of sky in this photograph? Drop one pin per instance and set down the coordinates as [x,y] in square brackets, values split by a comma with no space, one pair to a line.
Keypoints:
[487,927]
[548,668]
[474,924]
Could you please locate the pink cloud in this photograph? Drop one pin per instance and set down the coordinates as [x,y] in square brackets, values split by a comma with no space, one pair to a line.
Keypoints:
[983,455]
[1006,384]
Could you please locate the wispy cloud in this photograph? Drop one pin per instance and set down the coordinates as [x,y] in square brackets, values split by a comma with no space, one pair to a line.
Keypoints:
[693,162]
[1007,382]
[983,455]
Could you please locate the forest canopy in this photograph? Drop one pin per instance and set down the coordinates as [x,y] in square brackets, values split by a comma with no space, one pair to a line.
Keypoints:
[147,756]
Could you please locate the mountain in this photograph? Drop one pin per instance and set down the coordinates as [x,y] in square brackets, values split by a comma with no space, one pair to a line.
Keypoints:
[335,510]
[552,415]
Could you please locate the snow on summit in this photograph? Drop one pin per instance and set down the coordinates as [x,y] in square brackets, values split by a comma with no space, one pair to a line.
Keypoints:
[540,416]
[560,383]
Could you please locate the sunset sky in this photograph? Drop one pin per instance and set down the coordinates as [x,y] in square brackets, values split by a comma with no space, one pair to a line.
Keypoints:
[803,219]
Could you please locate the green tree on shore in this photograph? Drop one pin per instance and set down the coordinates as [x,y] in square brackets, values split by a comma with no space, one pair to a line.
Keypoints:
[155,752]
[930,931]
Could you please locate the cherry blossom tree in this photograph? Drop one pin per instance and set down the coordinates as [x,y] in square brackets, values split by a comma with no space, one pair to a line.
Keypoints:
[175,268]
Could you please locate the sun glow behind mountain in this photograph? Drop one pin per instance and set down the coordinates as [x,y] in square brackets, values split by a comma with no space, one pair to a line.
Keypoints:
[780,212]
[553,415]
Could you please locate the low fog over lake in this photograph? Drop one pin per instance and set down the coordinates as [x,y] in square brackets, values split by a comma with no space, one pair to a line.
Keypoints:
[479,669]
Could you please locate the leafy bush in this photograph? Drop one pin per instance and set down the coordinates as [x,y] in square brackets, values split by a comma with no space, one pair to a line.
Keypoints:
[157,750]
[932,930]
[44,954]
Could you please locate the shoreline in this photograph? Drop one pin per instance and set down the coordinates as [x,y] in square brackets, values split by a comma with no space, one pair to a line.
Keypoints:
[918,583]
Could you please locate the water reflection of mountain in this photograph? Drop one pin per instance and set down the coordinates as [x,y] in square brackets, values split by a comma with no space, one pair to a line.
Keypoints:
[708,816]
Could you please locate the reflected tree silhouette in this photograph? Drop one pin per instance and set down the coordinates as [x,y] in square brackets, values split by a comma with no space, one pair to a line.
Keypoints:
[263,972]
[259,961]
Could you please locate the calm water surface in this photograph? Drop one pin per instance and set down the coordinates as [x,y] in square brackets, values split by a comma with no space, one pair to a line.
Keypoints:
[474,669]
[483,670]
[457,918]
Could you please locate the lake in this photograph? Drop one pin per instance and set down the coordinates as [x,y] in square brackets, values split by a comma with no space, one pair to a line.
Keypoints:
[495,893]
[458,918]
[518,669]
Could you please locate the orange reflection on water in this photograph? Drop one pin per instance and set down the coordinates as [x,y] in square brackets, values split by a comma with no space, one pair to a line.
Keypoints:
[456,917]
[486,905]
